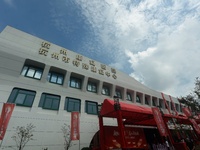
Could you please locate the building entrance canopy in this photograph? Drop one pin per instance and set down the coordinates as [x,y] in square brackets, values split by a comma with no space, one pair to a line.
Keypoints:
[131,114]
[136,114]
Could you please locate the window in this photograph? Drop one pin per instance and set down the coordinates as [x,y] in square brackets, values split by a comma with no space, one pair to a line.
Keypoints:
[75,83]
[48,101]
[118,94]
[161,103]
[128,96]
[32,72]
[22,97]
[55,78]
[177,107]
[181,108]
[105,91]
[72,104]
[172,107]
[91,107]
[146,100]
[92,87]
[154,102]
[138,99]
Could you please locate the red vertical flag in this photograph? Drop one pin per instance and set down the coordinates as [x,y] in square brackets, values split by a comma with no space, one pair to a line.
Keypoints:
[75,135]
[5,117]
[188,113]
[159,121]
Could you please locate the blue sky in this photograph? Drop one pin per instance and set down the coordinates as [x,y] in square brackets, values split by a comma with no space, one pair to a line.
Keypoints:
[157,42]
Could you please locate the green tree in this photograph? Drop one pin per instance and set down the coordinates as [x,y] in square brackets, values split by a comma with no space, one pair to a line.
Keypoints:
[23,135]
[192,100]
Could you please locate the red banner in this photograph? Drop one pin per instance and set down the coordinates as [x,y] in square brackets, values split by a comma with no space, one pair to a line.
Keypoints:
[188,113]
[195,125]
[75,135]
[159,121]
[5,117]
[134,138]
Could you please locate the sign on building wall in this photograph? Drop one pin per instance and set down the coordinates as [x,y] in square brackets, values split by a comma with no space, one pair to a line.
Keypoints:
[5,117]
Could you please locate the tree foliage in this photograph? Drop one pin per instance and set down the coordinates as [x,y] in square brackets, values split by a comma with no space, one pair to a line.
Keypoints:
[192,100]
[23,135]
[66,135]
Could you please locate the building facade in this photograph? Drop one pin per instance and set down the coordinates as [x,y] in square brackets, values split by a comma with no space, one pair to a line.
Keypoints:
[47,82]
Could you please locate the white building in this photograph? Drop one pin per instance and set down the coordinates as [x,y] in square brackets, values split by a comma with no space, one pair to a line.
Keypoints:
[47,82]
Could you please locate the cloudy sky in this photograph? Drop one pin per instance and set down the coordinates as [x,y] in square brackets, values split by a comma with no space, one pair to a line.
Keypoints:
[155,41]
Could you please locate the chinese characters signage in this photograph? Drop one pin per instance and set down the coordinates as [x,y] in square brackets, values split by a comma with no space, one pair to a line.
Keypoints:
[77,61]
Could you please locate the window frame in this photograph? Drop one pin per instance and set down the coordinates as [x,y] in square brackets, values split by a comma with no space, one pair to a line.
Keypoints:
[14,95]
[93,104]
[92,84]
[128,96]
[106,89]
[177,107]
[154,102]
[118,93]
[76,81]
[138,100]
[45,97]
[74,101]
[171,106]
[146,100]
[27,68]
[50,76]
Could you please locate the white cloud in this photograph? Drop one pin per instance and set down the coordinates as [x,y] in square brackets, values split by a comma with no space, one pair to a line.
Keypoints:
[175,63]
[9,2]
[159,38]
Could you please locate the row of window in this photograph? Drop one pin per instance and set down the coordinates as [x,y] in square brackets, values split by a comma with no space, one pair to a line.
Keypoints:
[74,82]
[57,76]
[22,97]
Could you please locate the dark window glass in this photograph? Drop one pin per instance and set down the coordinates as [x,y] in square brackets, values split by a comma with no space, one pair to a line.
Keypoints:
[177,108]
[118,94]
[167,105]
[160,103]
[91,107]
[75,83]
[105,91]
[181,107]
[172,108]
[128,97]
[72,104]
[48,101]
[32,72]
[146,100]
[138,99]
[154,102]
[55,78]
[92,87]
[22,97]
